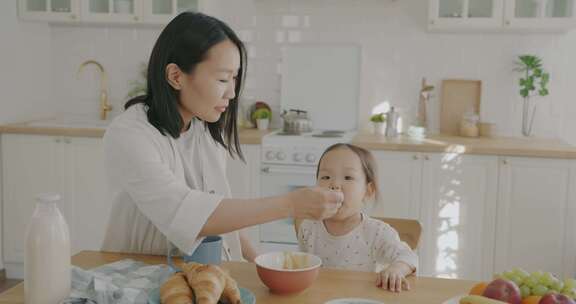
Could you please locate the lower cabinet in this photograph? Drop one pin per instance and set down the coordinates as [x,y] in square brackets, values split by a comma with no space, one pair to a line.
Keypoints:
[72,167]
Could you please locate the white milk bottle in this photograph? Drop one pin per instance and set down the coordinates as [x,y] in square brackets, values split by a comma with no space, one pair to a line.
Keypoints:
[47,262]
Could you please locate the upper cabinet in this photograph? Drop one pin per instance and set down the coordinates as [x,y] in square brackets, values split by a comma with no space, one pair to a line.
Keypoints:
[155,12]
[501,15]
[162,11]
[111,11]
[49,10]
[540,15]
[465,14]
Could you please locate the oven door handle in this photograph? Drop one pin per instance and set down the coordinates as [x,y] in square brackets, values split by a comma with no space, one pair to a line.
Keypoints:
[287,170]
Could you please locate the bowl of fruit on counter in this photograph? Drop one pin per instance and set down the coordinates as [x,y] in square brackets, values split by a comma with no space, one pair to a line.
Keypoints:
[521,287]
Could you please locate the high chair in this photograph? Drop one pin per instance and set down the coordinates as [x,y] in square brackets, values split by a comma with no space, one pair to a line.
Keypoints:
[408,230]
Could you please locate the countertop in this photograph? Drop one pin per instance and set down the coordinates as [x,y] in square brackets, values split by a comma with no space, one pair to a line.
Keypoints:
[503,146]
[96,128]
[330,284]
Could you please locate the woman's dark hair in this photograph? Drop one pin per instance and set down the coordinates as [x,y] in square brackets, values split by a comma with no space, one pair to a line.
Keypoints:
[185,41]
[366,158]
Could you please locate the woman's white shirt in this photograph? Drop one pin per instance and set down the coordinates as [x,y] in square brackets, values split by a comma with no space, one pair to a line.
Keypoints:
[163,189]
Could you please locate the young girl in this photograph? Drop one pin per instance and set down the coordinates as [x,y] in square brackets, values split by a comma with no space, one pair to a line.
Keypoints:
[350,239]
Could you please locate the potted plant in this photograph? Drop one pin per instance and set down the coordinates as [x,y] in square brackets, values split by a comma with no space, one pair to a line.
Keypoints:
[262,117]
[534,82]
[379,123]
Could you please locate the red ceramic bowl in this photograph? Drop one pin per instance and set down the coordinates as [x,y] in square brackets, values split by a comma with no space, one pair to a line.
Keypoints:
[285,281]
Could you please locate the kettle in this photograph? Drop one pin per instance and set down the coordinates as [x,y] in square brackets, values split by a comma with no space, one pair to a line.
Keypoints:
[296,122]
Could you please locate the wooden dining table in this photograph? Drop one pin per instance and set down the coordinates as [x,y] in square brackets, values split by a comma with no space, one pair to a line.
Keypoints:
[330,284]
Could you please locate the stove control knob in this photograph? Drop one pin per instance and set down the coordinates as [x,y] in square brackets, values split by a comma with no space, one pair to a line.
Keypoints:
[310,158]
[280,156]
[269,155]
[298,157]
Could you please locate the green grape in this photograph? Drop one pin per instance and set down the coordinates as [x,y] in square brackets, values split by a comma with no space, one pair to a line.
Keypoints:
[569,283]
[556,285]
[531,281]
[520,272]
[546,279]
[516,279]
[569,292]
[497,276]
[507,275]
[525,291]
[537,274]
[539,290]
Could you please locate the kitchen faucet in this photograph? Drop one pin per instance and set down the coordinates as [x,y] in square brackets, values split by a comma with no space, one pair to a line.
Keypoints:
[105,107]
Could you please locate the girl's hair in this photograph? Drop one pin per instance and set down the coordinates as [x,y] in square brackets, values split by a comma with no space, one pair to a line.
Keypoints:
[185,41]
[366,159]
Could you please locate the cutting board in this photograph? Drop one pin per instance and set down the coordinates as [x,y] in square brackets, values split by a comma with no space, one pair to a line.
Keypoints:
[458,97]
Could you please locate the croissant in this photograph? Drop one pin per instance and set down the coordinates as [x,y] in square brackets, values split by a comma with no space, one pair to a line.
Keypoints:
[176,290]
[211,283]
[231,292]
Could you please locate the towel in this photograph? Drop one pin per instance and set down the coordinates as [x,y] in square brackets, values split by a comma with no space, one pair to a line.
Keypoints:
[123,282]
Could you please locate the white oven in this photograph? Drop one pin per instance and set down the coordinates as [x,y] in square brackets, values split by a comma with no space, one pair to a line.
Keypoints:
[289,163]
[275,180]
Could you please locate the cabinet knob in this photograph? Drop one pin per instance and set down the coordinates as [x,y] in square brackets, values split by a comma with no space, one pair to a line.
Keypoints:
[504,161]
[265,169]
[136,18]
[432,22]
[57,140]
[73,16]
[427,157]
[415,157]
[508,22]
[67,140]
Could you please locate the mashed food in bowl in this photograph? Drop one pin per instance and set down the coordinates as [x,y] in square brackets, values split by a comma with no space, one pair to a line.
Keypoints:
[295,261]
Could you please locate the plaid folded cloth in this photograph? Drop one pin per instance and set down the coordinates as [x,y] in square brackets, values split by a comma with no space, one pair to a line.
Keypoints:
[122,282]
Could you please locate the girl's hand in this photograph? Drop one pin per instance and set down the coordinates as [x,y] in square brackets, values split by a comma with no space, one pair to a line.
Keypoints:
[393,278]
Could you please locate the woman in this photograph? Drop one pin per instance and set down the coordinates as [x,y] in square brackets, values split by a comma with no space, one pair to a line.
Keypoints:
[166,154]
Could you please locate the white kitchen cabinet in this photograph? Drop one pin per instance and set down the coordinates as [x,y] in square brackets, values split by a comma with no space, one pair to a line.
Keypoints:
[153,12]
[540,15]
[244,180]
[49,10]
[535,218]
[501,15]
[162,11]
[459,194]
[465,14]
[72,167]
[400,176]
[87,190]
[111,11]
[454,198]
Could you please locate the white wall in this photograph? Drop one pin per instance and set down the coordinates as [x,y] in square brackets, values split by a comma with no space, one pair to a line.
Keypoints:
[25,86]
[397,52]
[25,67]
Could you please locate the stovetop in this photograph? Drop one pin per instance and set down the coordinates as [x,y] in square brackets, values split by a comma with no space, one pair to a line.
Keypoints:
[303,150]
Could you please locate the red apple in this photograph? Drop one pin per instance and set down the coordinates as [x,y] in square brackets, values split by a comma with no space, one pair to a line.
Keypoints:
[555,298]
[503,290]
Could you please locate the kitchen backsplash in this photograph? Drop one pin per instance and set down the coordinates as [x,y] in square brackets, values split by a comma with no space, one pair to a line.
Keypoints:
[397,52]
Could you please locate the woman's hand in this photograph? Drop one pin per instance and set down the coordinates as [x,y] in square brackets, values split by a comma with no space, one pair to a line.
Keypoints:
[315,203]
[393,278]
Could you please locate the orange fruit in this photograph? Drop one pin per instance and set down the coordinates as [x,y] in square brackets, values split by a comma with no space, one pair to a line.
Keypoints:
[478,289]
[531,300]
